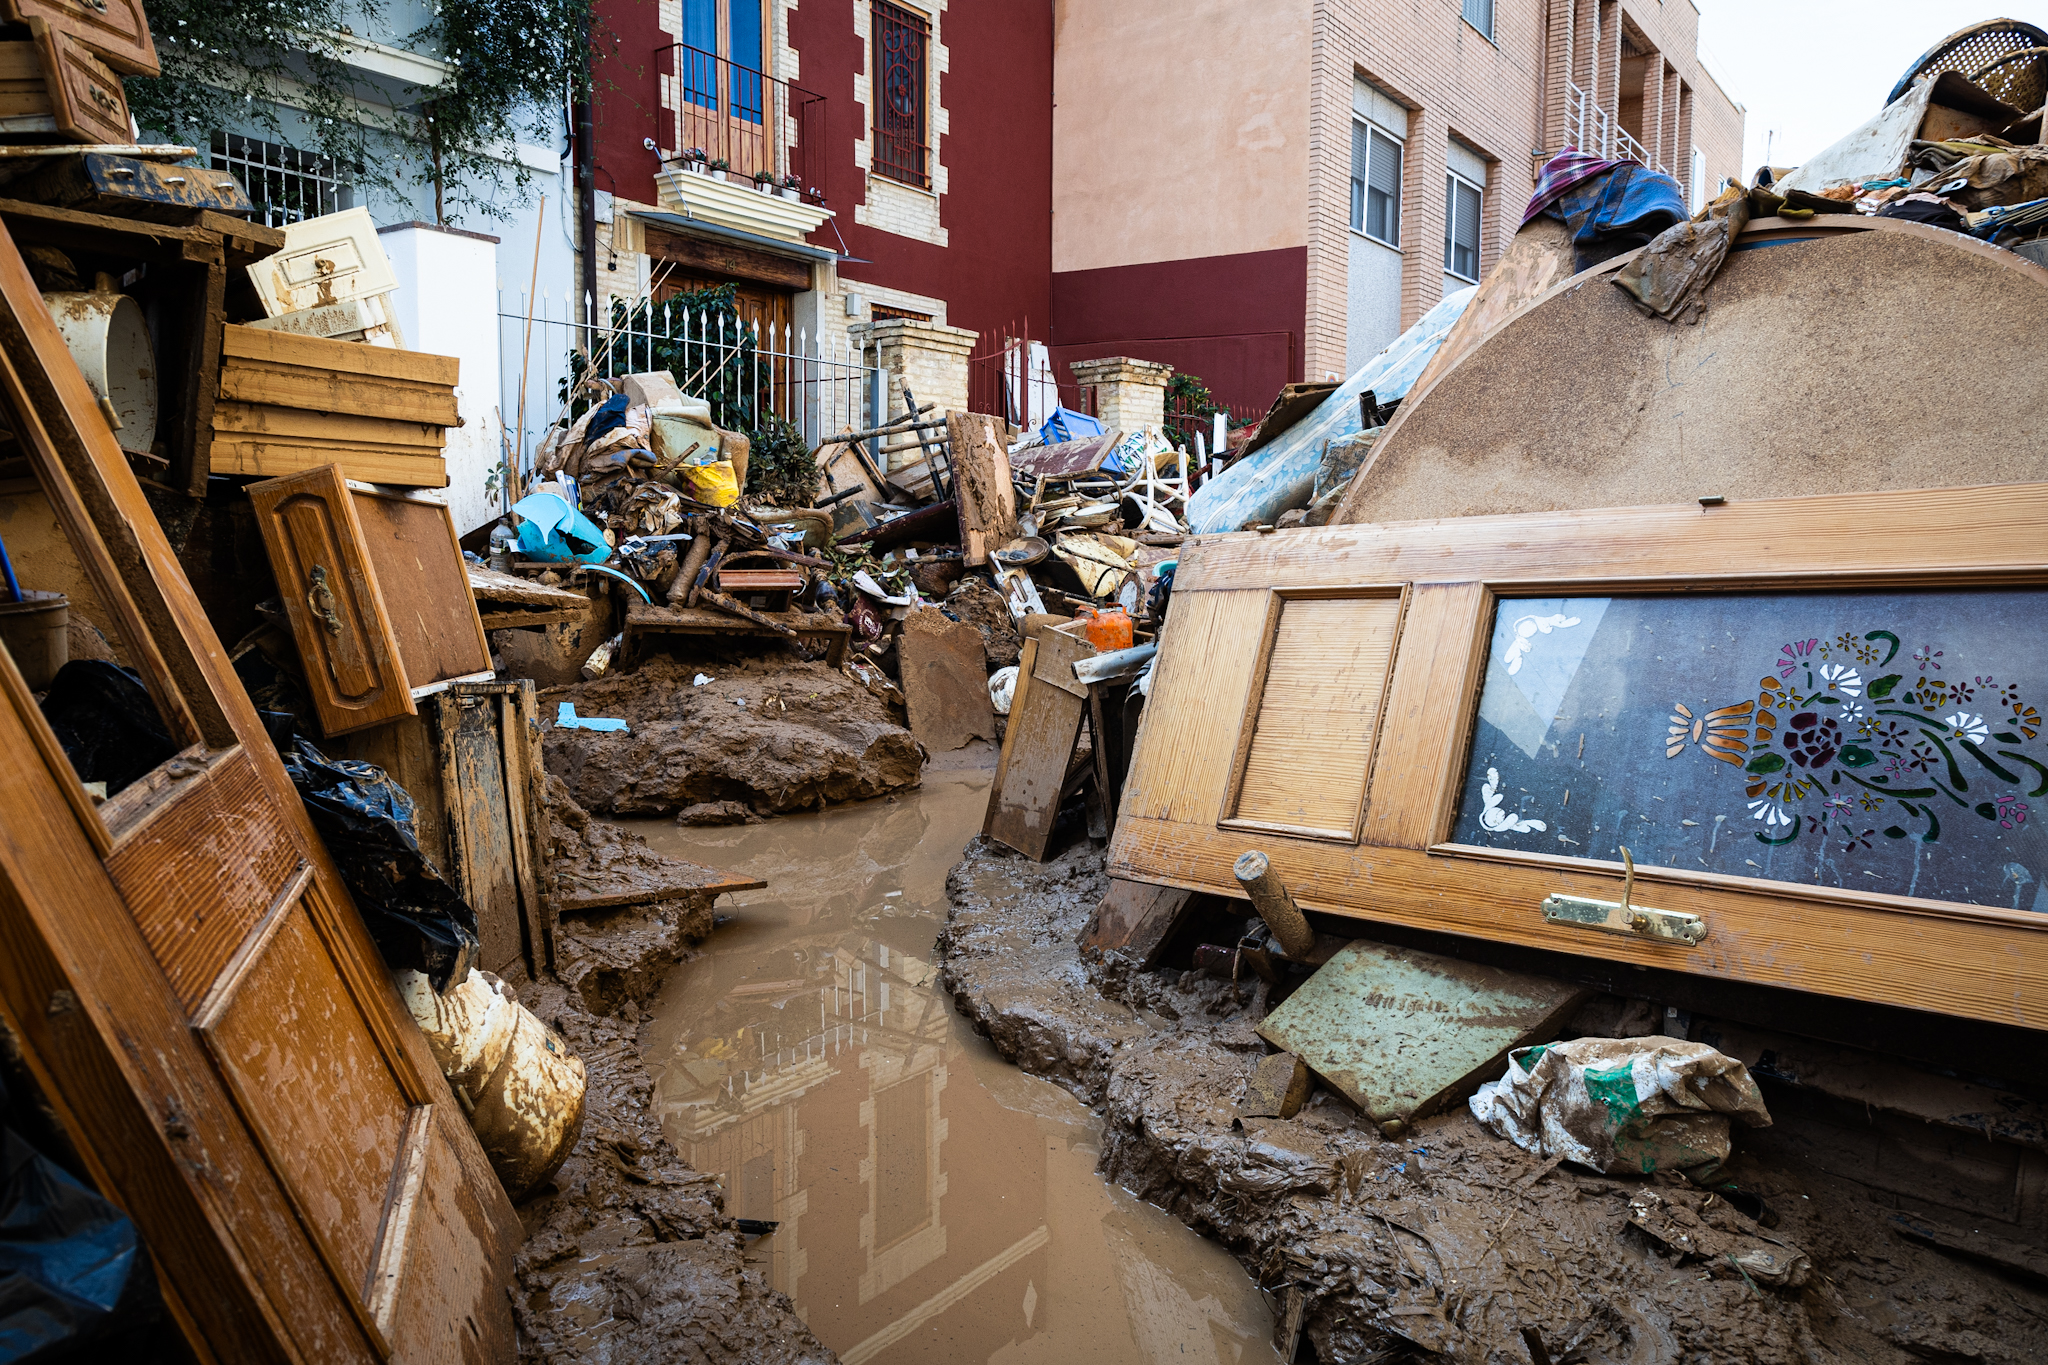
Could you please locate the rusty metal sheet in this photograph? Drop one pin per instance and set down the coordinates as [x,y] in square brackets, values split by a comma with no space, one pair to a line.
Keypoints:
[1406,1033]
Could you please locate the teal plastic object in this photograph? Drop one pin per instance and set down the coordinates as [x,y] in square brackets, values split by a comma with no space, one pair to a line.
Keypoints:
[551,530]
[1282,476]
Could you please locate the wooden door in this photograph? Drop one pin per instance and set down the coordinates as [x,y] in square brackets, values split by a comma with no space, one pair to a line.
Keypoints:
[760,305]
[200,1001]
[353,668]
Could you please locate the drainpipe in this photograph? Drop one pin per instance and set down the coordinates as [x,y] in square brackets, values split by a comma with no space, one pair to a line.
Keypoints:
[586,192]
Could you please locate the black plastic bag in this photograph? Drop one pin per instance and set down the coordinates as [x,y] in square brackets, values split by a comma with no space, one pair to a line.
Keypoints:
[68,1260]
[104,718]
[366,821]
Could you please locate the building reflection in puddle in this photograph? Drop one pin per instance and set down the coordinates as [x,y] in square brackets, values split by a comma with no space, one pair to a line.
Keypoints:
[934,1204]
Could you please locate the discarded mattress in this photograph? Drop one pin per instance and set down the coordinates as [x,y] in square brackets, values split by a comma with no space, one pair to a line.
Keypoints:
[1282,476]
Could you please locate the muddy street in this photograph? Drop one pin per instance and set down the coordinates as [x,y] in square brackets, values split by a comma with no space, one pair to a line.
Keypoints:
[933,1203]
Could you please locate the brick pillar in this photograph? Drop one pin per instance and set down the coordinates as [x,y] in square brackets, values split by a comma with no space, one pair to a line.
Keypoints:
[1685,148]
[1610,66]
[1130,395]
[1422,215]
[925,357]
[1558,69]
[1652,136]
[1674,154]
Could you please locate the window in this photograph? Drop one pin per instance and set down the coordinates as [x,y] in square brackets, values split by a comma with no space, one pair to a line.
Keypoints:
[1461,226]
[740,51]
[1375,184]
[1479,14]
[898,94]
[284,183]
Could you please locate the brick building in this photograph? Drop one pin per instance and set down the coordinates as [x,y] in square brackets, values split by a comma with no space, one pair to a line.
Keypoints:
[1251,192]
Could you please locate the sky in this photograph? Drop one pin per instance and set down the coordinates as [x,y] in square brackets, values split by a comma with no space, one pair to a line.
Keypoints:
[1809,71]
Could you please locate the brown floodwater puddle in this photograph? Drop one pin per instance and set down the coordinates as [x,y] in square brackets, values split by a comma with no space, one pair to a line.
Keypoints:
[934,1203]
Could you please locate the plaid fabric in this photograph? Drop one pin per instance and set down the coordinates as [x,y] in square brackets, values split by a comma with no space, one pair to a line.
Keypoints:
[1568,168]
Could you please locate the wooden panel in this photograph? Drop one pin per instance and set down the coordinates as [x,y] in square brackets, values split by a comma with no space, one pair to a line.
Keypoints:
[352,664]
[286,349]
[308,1075]
[410,544]
[1200,682]
[117,31]
[1966,960]
[441,1265]
[1412,781]
[86,98]
[1137,919]
[199,872]
[480,852]
[24,97]
[230,1247]
[1045,725]
[1317,714]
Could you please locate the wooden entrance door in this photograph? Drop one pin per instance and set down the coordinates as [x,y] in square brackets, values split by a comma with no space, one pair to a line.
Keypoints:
[197,996]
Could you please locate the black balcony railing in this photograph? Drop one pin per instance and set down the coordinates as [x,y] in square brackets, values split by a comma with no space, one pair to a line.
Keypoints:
[737,115]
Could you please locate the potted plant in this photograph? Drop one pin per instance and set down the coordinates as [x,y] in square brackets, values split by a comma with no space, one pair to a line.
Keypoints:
[693,160]
[764,180]
[792,187]
[719,166]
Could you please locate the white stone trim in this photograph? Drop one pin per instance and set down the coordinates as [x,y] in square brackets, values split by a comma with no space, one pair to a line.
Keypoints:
[890,206]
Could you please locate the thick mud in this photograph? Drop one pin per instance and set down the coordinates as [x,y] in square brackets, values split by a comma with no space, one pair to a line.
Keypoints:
[1448,1244]
[629,1255]
[771,731]
[932,1203]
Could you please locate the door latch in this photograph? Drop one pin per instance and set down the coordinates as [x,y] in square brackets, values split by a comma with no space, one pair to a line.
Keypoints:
[1636,921]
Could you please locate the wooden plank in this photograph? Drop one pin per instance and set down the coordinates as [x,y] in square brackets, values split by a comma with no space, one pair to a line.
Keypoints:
[1137,919]
[354,669]
[298,424]
[481,861]
[286,350]
[329,391]
[1038,745]
[981,473]
[280,459]
[726,259]
[421,575]
[1411,790]
[515,714]
[193,353]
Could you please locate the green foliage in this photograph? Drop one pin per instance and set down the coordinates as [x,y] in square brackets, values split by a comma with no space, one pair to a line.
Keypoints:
[252,62]
[1191,408]
[780,467]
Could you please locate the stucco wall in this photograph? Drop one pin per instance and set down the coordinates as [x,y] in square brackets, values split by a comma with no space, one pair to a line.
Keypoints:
[1181,129]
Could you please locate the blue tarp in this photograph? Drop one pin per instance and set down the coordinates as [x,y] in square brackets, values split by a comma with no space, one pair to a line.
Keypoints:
[1282,476]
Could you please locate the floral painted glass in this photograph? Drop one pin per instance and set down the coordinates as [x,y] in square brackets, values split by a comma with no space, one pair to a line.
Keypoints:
[1884,742]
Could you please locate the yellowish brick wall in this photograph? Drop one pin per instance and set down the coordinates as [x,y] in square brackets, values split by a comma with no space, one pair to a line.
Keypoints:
[1130,395]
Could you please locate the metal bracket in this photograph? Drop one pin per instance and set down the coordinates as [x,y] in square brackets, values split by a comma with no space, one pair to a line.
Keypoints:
[1635,921]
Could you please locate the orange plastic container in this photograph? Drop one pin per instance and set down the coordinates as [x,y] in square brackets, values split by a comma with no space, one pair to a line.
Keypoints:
[1108,628]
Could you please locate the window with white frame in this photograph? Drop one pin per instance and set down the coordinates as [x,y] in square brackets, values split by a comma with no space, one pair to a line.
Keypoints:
[1479,14]
[1462,199]
[1375,183]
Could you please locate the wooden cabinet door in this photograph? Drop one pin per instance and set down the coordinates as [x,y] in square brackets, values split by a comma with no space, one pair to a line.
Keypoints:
[198,998]
[315,542]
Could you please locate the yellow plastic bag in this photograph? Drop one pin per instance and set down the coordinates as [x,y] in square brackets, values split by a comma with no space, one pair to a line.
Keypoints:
[711,483]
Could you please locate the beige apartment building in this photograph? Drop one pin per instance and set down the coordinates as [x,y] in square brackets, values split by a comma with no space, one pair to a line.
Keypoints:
[1265,192]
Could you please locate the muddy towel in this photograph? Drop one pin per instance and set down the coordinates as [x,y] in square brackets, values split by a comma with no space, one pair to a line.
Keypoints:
[1670,274]
[1622,1104]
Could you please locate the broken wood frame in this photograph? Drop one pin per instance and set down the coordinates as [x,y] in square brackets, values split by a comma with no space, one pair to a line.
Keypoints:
[186,288]
[493,789]
[644,620]
[284,1142]
[1394,862]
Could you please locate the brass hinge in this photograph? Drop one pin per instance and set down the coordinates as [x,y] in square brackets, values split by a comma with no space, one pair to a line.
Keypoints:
[1636,921]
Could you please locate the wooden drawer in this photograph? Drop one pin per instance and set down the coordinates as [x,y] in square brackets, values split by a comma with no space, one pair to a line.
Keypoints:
[115,31]
[53,84]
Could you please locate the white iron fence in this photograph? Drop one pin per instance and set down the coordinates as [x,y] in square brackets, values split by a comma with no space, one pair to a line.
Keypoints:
[746,371]
[1593,129]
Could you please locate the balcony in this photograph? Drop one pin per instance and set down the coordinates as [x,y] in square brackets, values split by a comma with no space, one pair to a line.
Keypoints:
[1593,129]
[737,115]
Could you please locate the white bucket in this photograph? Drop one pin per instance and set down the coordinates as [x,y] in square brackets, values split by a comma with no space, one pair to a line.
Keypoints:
[107,336]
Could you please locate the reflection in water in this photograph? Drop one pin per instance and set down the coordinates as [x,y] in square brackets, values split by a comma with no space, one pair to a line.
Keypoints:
[935,1204]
